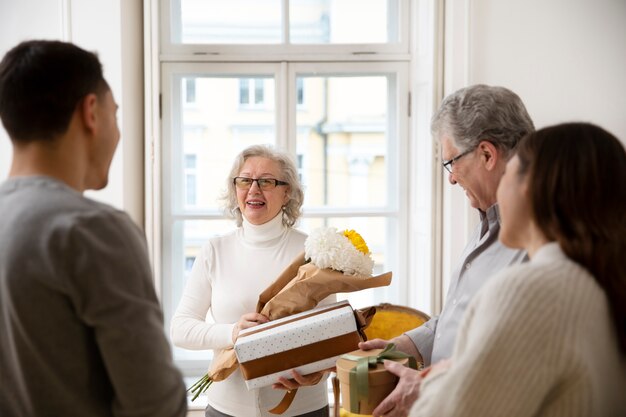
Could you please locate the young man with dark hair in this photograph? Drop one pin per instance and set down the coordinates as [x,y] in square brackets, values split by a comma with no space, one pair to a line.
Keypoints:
[81,329]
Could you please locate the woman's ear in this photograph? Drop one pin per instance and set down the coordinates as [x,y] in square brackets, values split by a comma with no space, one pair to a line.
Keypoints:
[525,186]
[286,196]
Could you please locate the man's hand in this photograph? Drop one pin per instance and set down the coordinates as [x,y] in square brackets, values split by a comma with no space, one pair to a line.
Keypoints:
[298,380]
[401,399]
[246,321]
[374,344]
[403,343]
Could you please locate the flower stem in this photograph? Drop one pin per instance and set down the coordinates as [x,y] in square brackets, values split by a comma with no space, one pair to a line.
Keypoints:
[200,386]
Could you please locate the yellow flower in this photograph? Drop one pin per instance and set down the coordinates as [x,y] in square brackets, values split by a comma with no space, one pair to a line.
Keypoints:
[357,241]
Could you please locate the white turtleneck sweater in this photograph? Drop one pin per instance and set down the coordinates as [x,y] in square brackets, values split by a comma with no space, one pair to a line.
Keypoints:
[226,279]
[537,340]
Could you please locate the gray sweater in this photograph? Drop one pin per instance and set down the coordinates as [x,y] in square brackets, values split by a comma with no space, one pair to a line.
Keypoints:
[81,329]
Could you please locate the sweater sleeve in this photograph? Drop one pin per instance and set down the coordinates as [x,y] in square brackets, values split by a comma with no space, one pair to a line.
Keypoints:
[112,292]
[189,328]
[511,326]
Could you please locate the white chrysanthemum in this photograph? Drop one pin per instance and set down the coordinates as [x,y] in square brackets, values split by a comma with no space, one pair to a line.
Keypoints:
[328,248]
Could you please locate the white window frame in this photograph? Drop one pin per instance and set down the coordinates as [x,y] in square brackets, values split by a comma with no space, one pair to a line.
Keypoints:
[424,186]
[203,52]
[399,108]
[171,127]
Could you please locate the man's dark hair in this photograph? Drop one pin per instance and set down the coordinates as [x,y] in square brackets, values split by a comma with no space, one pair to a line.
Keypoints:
[41,83]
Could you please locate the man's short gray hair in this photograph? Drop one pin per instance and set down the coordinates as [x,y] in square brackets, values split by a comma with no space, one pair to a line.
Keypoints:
[288,173]
[481,112]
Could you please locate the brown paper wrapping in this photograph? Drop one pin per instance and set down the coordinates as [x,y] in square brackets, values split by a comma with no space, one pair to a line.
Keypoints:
[300,287]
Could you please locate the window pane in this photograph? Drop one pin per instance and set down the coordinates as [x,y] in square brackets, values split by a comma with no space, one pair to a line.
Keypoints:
[377,232]
[190,161]
[215,130]
[342,140]
[190,197]
[190,94]
[299,91]
[244,91]
[343,21]
[258,91]
[228,22]
[188,237]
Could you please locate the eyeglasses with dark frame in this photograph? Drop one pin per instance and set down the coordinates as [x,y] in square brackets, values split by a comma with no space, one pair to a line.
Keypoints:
[244,183]
[450,162]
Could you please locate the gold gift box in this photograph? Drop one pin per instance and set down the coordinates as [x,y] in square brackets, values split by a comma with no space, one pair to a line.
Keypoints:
[380,382]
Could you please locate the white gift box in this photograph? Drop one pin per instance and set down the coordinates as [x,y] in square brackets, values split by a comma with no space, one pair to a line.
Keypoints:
[307,342]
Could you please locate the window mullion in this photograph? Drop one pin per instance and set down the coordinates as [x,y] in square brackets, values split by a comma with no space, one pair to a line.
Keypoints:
[285,22]
[283,108]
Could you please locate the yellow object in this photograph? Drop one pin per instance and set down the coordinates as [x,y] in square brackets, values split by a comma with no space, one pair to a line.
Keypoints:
[357,240]
[390,321]
[393,320]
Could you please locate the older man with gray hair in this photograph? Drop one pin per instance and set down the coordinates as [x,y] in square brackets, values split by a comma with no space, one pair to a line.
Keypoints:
[478,128]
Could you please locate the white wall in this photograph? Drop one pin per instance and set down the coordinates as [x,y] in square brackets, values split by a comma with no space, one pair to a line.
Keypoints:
[565,58]
[113,29]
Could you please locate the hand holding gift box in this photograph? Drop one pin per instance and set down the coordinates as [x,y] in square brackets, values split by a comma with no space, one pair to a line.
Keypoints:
[308,342]
[310,278]
[364,380]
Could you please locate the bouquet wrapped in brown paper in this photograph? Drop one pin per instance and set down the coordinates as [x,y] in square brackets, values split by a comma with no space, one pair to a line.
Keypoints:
[333,262]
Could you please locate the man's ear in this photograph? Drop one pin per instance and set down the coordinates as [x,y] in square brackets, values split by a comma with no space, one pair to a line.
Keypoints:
[489,154]
[88,113]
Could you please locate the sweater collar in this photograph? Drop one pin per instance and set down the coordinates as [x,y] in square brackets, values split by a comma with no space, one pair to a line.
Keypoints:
[548,253]
[263,232]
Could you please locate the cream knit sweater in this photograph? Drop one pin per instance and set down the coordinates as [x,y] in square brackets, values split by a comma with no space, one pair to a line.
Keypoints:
[536,341]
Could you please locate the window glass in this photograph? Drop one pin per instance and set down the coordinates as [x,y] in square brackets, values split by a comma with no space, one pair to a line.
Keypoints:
[344,143]
[260,22]
[228,22]
[216,129]
[341,21]
[342,139]
[188,238]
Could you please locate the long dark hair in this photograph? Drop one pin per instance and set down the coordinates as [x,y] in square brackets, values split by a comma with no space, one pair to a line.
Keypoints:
[577,182]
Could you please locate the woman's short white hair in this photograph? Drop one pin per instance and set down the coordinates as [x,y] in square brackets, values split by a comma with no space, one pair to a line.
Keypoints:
[288,173]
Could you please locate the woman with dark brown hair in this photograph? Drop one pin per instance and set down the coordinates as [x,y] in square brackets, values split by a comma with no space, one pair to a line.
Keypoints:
[547,338]
[583,169]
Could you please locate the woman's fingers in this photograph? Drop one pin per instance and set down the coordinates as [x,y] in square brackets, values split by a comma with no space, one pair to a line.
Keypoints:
[246,321]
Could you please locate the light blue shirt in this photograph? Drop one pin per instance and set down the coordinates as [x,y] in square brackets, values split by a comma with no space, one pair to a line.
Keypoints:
[483,256]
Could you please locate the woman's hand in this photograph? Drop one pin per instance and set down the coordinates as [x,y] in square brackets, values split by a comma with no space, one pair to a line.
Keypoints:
[246,321]
[298,380]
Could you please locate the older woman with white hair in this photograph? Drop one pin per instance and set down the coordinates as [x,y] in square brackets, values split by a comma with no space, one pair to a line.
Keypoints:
[264,195]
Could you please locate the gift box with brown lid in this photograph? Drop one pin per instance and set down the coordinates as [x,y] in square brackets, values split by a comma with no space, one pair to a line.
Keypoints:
[364,380]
